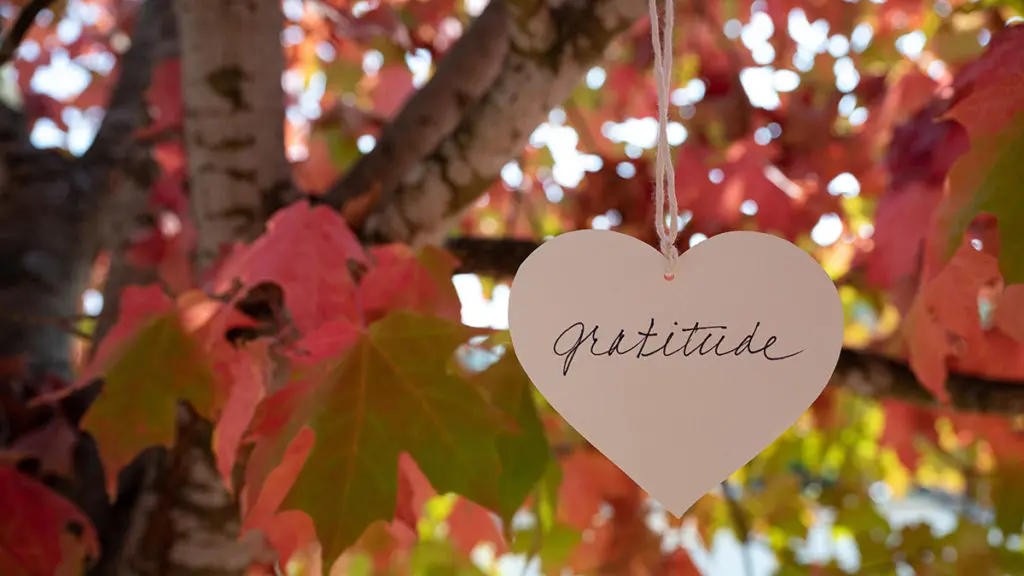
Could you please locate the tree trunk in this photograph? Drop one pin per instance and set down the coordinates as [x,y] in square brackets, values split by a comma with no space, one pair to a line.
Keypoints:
[232,62]
[187,522]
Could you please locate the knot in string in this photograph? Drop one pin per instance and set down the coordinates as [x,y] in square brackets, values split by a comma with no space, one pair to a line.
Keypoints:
[667,225]
[671,256]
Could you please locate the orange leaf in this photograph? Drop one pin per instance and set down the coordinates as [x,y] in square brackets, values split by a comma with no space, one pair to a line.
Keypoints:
[903,424]
[588,479]
[944,324]
[392,85]
[987,91]
[1009,314]
[470,524]
[679,563]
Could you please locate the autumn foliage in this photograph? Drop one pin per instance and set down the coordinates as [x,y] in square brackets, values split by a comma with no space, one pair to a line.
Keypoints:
[365,426]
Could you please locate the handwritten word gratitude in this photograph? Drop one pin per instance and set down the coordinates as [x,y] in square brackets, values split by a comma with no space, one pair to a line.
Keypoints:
[573,338]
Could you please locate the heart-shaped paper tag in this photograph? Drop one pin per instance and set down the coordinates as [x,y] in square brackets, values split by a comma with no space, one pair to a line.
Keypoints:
[678,382]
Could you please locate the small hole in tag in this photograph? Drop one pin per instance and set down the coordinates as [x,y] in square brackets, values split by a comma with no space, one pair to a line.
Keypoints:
[670,276]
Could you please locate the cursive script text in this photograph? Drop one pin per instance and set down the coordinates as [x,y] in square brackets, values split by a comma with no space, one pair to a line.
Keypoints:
[702,340]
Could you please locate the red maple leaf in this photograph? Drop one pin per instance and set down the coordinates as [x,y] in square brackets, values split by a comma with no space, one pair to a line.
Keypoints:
[286,531]
[1004,438]
[715,190]
[904,424]
[987,91]
[34,536]
[419,282]
[38,105]
[165,97]
[306,251]
[318,171]
[392,85]
[247,369]
[588,479]
[1009,314]
[902,222]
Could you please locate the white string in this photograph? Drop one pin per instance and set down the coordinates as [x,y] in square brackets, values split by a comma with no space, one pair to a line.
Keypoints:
[667,231]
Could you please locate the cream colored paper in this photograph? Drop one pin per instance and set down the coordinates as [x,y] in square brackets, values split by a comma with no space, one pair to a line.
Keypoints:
[678,425]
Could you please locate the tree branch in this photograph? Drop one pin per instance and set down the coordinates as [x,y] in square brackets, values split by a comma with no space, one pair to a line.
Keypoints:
[495,257]
[526,57]
[122,163]
[867,373]
[462,78]
[22,24]
[154,38]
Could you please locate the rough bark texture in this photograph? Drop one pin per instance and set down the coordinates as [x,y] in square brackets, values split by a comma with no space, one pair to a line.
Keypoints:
[51,227]
[50,205]
[184,521]
[46,239]
[124,166]
[462,78]
[545,48]
[232,61]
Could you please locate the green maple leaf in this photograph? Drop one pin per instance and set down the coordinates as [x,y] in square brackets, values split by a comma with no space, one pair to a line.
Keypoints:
[1011,561]
[392,391]
[1007,498]
[524,452]
[974,554]
[987,180]
[160,365]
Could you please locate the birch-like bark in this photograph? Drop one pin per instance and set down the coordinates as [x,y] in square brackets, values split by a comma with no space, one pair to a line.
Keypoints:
[232,62]
[462,78]
[186,522]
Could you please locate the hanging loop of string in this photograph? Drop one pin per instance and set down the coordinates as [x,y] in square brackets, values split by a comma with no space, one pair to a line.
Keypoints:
[667,227]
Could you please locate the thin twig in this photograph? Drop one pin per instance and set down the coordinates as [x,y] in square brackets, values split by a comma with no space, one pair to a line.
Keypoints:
[66,324]
[579,123]
[739,518]
[538,542]
[22,24]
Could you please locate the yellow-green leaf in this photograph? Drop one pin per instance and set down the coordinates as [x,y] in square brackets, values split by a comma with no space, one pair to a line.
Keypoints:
[524,452]
[144,379]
